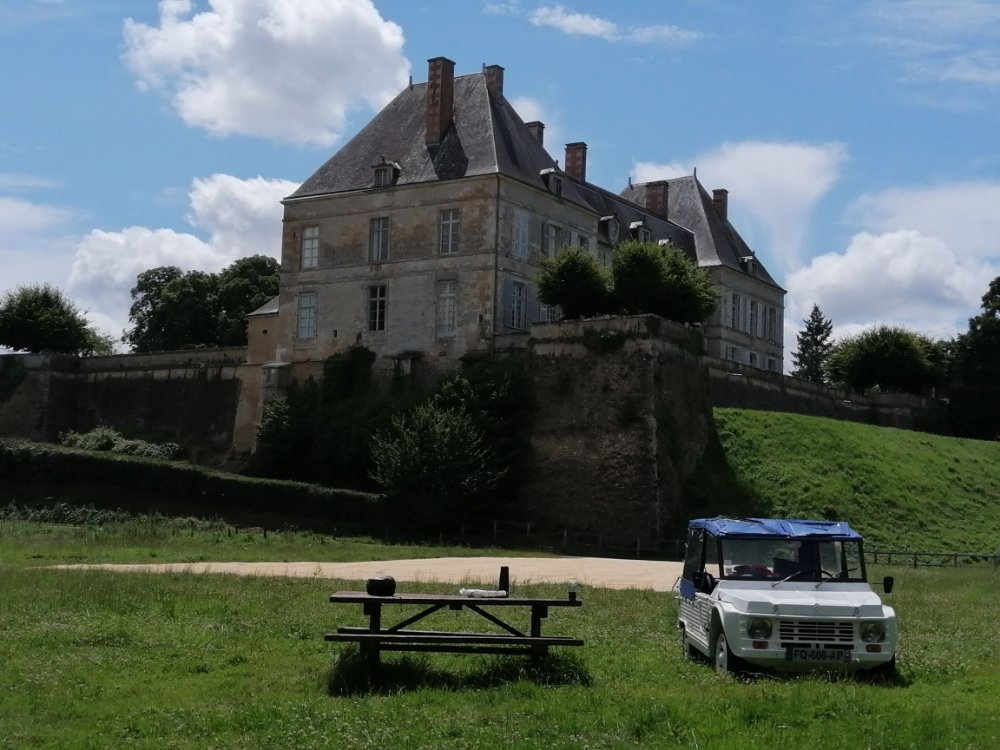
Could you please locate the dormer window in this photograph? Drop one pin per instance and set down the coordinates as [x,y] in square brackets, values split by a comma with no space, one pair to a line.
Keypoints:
[748,261]
[386,173]
[640,231]
[612,228]
[553,181]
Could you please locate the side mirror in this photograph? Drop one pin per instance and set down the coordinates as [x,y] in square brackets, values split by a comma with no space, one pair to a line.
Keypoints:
[888,582]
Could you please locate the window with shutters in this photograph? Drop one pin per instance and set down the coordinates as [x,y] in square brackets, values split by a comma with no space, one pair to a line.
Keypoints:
[451,223]
[376,307]
[306,316]
[520,235]
[518,305]
[309,256]
[378,240]
[446,309]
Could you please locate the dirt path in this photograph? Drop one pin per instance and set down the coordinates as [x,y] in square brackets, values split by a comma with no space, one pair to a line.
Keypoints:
[588,571]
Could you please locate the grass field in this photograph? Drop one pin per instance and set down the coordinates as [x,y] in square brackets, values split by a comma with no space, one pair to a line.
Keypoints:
[902,489]
[91,659]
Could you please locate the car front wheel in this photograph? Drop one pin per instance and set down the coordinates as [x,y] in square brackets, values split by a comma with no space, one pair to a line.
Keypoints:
[723,658]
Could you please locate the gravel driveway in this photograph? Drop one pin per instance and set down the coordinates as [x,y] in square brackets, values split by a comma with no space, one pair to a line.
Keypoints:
[599,572]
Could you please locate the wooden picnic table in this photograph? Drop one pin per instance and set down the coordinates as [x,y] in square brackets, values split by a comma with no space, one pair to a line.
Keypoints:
[505,639]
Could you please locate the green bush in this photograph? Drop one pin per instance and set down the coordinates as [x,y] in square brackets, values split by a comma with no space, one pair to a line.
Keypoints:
[104,438]
[661,280]
[576,283]
[41,470]
[434,458]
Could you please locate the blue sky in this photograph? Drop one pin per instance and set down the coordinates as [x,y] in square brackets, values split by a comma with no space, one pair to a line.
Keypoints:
[858,140]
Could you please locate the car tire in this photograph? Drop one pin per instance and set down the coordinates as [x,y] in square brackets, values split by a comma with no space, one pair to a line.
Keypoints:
[722,658]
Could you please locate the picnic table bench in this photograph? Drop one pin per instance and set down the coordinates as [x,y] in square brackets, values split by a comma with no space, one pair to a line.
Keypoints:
[376,638]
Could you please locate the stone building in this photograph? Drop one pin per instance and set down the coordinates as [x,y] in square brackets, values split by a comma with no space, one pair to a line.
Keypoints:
[421,239]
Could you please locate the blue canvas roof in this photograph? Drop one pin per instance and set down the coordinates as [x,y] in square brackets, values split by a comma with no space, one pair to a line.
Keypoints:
[723,526]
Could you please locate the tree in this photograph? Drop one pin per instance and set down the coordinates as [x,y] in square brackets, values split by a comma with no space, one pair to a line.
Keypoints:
[888,358]
[172,309]
[244,286]
[39,318]
[576,283]
[975,386]
[434,461]
[660,279]
[813,347]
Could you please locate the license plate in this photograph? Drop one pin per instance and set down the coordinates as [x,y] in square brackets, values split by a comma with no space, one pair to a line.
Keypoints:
[818,655]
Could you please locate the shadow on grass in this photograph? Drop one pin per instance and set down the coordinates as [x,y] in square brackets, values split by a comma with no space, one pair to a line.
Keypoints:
[887,678]
[349,673]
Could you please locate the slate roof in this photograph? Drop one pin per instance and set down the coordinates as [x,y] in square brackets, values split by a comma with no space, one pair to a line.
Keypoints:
[268,308]
[486,137]
[717,243]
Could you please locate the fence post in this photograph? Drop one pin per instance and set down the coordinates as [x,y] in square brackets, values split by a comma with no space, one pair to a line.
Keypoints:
[914,559]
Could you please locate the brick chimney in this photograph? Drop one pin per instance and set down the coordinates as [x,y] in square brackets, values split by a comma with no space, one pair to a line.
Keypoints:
[536,129]
[440,98]
[575,163]
[494,80]
[656,197]
[720,199]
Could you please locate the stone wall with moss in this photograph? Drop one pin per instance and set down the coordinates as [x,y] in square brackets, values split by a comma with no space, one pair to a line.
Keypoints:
[623,415]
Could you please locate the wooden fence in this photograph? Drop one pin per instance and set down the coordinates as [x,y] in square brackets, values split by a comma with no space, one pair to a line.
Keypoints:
[931,559]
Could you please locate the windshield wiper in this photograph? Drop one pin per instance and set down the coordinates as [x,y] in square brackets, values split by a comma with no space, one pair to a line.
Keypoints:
[789,577]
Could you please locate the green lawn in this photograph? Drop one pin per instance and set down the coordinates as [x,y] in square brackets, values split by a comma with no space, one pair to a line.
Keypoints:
[901,489]
[92,659]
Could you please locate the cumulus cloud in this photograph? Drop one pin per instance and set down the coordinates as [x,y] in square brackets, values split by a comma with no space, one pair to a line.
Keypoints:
[29,231]
[18,216]
[775,184]
[962,214]
[289,71]
[530,110]
[239,217]
[584,24]
[901,277]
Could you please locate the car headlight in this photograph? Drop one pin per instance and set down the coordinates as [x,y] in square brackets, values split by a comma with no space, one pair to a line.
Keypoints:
[872,632]
[759,630]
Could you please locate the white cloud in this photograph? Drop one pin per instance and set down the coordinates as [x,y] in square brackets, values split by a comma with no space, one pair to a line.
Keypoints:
[939,42]
[240,217]
[19,216]
[509,8]
[530,109]
[584,24]
[29,232]
[962,214]
[289,71]
[936,18]
[902,278]
[776,184]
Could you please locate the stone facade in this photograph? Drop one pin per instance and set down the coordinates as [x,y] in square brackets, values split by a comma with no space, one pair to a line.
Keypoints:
[421,239]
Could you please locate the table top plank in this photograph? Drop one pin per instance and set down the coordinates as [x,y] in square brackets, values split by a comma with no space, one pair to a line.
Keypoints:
[362,597]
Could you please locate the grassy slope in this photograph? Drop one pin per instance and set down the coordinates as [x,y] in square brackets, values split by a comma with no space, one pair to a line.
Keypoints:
[902,489]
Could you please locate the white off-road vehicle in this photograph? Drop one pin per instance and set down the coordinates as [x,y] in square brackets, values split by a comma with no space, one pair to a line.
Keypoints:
[782,594]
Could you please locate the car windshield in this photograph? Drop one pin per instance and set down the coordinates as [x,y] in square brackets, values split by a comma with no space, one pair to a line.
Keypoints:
[778,559]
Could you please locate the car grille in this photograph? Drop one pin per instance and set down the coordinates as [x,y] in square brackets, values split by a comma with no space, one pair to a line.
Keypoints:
[813,631]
